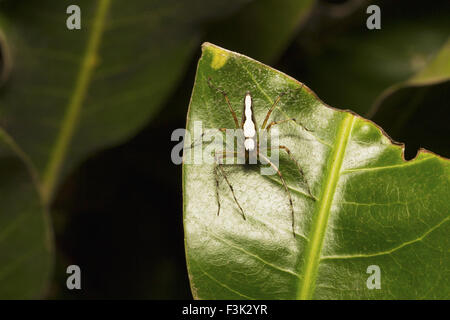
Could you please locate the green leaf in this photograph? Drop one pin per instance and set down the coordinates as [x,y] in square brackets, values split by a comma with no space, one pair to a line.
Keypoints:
[372,207]
[25,240]
[67,93]
[416,110]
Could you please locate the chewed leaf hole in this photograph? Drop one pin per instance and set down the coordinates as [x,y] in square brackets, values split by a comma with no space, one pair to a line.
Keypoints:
[411,151]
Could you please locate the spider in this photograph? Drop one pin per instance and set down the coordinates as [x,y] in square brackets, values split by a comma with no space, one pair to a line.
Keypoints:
[251,135]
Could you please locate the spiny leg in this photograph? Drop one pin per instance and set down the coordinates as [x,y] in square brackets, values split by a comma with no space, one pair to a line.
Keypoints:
[299,168]
[271,109]
[219,166]
[278,122]
[285,187]
[216,176]
[273,123]
[211,85]
[200,139]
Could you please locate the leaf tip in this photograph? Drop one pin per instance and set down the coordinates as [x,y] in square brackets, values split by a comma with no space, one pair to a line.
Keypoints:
[219,55]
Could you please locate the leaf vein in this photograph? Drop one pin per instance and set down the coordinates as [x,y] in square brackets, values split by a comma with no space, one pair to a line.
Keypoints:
[406,164]
[390,251]
[223,284]
[254,255]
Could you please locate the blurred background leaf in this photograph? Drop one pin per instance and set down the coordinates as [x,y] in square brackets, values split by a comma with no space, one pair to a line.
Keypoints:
[349,66]
[416,110]
[72,92]
[263,29]
[26,242]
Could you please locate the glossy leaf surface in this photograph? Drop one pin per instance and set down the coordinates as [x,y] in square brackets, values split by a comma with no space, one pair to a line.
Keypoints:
[371,207]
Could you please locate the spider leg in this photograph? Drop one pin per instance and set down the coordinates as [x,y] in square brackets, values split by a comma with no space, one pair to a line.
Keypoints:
[200,139]
[273,123]
[285,187]
[271,109]
[219,166]
[277,122]
[216,176]
[211,85]
[299,168]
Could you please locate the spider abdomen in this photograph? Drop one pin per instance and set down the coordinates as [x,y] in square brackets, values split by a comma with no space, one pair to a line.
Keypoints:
[249,124]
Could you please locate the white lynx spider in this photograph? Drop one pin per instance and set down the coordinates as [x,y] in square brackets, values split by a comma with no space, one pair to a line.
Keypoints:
[251,145]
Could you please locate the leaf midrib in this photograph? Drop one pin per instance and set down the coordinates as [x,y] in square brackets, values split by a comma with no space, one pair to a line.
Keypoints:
[320,222]
[71,117]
